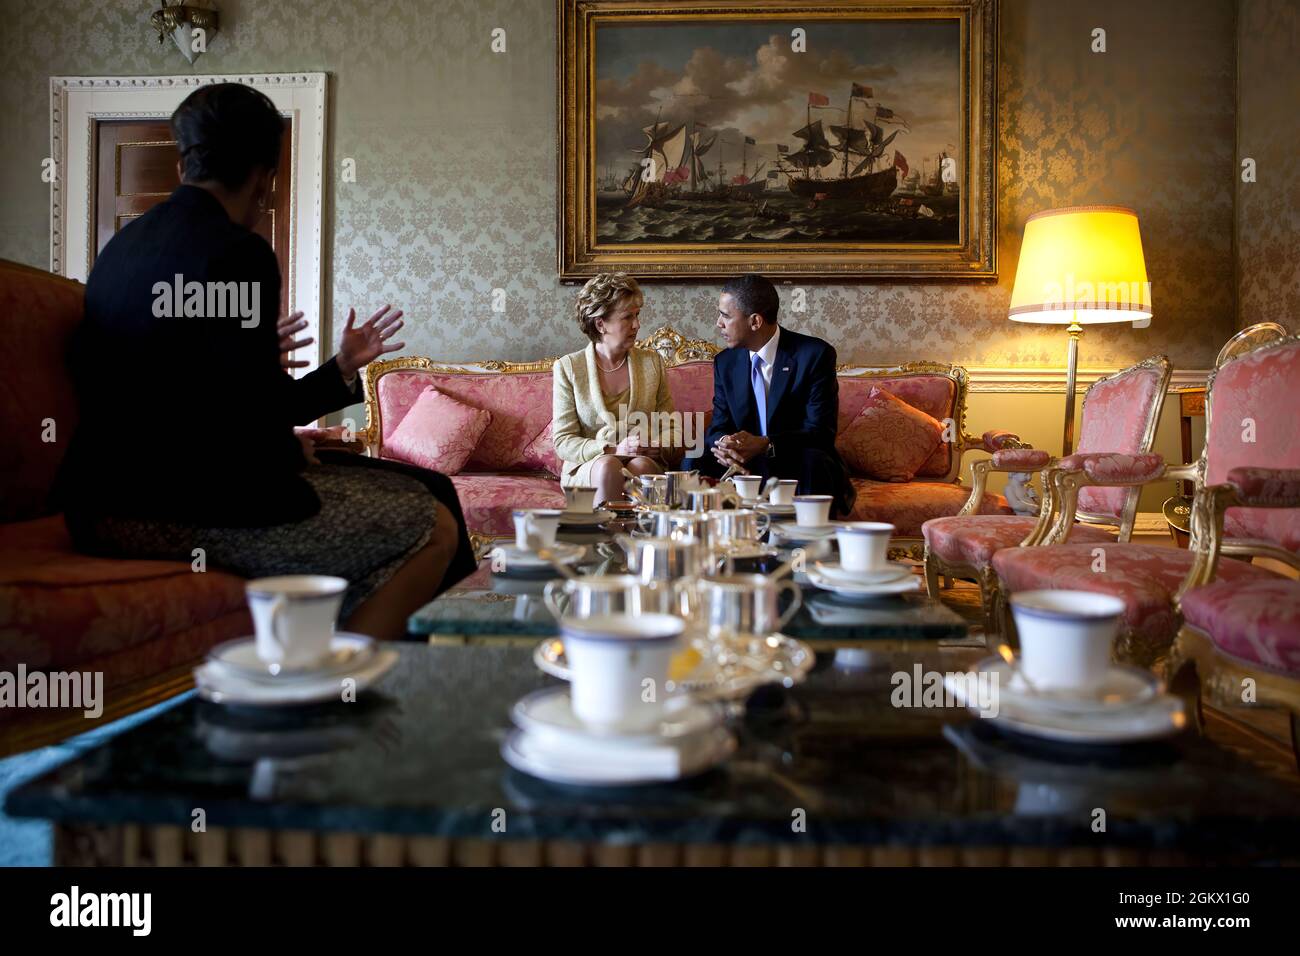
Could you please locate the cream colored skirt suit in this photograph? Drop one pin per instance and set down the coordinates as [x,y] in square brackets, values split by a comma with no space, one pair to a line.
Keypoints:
[585,420]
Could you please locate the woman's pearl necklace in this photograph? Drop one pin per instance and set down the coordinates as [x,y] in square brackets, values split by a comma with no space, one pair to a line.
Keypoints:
[616,367]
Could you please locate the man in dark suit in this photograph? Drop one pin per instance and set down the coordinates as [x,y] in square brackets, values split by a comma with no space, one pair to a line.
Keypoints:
[775,398]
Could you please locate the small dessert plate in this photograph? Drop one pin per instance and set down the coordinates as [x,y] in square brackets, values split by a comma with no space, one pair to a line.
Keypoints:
[516,557]
[603,765]
[585,519]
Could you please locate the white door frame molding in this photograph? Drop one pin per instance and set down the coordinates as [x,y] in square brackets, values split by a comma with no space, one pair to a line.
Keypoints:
[76,102]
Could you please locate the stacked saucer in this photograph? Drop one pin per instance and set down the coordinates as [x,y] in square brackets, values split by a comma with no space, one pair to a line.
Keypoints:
[572,518]
[234,673]
[1126,706]
[892,577]
[514,558]
[552,743]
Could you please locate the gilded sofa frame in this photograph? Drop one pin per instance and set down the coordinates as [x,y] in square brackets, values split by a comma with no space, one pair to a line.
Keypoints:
[1044,530]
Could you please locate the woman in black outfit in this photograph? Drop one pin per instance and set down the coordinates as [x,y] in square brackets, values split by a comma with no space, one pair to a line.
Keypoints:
[186,435]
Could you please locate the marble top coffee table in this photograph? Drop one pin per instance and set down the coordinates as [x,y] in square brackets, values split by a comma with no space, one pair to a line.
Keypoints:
[827,772]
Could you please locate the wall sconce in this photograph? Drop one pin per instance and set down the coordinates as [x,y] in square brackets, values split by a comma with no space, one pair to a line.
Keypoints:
[179,21]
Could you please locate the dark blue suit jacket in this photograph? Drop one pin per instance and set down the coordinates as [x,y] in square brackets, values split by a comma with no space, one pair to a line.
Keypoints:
[802,407]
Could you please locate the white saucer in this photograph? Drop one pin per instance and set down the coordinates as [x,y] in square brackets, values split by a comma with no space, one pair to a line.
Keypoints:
[779,660]
[1123,687]
[221,687]
[903,585]
[548,713]
[585,519]
[772,509]
[238,659]
[616,766]
[516,557]
[1151,719]
[834,571]
[798,532]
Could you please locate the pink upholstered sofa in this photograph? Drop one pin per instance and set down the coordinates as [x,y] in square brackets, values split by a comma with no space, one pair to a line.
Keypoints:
[502,474]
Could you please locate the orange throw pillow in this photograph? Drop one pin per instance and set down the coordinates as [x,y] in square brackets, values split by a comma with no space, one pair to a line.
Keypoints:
[438,433]
[889,440]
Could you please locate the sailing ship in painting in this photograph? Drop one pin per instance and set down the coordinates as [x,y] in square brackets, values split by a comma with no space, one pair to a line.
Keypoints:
[831,180]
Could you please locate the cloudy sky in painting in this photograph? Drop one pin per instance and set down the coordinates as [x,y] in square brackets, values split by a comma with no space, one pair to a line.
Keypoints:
[743,79]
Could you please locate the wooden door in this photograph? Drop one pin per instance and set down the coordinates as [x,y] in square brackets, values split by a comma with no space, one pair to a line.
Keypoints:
[135,168]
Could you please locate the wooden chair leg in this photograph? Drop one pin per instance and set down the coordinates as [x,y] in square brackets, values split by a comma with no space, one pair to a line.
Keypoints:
[931,576]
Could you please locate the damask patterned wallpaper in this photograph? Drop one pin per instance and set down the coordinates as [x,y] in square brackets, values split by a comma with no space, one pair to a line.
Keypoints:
[455,150]
[1268,131]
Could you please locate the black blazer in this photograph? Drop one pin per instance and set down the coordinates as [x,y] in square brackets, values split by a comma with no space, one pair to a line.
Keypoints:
[802,404]
[188,419]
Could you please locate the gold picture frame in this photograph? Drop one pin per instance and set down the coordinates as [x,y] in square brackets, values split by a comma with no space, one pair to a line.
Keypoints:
[841,223]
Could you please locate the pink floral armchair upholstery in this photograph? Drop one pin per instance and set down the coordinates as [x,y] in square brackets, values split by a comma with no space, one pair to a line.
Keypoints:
[501,475]
[1250,425]
[1248,506]
[1122,408]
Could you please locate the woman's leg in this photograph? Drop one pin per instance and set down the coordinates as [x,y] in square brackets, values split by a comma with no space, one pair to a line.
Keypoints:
[644,466]
[383,615]
[607,478]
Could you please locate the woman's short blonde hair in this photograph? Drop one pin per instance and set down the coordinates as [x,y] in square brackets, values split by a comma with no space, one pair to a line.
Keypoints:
[601,296]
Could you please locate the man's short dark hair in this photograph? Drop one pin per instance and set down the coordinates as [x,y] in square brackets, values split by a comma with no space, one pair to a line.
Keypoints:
[224,132]
[754,294]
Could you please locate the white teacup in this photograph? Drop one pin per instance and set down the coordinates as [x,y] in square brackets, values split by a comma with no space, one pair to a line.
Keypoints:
[864,545]
[812,511]
[748,486]
[1065,637]
[783,491]
[294,617]
[541,523]
[619,666]
[580,500]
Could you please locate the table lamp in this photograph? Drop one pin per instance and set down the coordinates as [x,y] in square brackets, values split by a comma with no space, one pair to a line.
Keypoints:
[1078,266]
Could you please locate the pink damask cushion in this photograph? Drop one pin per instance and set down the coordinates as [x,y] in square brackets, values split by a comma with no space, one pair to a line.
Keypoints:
[933,394]
[438,433]
[520,405]
[1026,458]
[487,500]
[539,454]
[1145,577]
[908,505]
[1267,487]
[1115,467]
[1256,621]
[1255,425]
[889,440]
[974,539]
[1115,416]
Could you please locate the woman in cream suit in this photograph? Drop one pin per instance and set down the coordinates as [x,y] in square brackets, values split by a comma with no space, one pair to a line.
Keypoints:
[597,389]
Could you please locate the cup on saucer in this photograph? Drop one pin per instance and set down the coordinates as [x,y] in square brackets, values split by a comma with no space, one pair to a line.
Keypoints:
[1065,638]
[864,546]
[748,486]
[579,499]
[812,511]
[782,492]
[540,523]
[294,617]
[619,668]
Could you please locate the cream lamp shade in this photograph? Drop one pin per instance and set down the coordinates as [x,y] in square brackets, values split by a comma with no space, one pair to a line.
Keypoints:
[1082,264]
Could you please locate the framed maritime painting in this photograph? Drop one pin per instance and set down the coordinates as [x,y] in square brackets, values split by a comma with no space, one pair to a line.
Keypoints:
[847,139]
